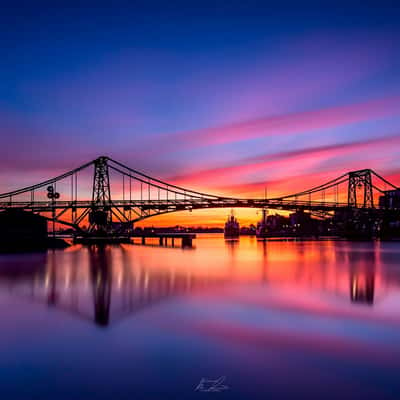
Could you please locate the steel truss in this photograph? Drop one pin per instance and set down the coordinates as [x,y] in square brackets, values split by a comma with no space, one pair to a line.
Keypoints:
[144,197]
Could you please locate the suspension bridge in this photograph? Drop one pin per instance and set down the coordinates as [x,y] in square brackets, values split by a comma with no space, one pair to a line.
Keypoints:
[120,195]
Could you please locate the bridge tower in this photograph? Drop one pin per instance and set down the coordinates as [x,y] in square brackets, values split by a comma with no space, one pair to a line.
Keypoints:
[360,181]
[100,215]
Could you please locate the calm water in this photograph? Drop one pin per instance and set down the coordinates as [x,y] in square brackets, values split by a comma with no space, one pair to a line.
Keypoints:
[276,319]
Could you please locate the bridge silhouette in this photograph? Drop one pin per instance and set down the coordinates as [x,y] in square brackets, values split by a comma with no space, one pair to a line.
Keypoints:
[141,196]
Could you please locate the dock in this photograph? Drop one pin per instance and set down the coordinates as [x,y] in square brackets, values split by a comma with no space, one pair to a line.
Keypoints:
[164,239]
[186,238]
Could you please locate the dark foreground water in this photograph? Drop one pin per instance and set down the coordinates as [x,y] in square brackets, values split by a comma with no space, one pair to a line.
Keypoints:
[264,320]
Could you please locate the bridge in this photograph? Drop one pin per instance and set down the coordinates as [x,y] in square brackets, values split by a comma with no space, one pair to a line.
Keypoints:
[139,196]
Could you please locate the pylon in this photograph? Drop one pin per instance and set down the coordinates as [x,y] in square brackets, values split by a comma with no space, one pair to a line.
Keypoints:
[360,180]
[100,216]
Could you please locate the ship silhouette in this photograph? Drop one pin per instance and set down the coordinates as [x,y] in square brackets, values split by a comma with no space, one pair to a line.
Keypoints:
[232,227]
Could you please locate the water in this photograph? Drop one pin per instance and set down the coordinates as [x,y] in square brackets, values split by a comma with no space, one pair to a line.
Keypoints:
[277,320]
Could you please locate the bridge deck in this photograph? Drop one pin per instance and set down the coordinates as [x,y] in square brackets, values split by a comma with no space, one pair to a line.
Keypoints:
[176,205]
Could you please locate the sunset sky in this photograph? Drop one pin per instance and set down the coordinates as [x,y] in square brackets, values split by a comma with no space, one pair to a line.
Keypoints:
[227,99]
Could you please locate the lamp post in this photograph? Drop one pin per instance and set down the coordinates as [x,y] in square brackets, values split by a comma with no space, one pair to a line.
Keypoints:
[53,195]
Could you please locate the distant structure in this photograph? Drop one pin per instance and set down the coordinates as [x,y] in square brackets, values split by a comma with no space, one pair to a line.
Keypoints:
[390,199]
[248,230]
[232,227]
[262,226]
[21,229]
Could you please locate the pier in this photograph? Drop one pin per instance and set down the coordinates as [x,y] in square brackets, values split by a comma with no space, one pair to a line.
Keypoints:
[186,238]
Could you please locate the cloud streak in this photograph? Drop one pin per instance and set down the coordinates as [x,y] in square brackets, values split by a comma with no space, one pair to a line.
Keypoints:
[291,123]
[282,159]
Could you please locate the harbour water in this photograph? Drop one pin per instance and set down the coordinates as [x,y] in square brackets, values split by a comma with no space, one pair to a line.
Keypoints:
[276,319]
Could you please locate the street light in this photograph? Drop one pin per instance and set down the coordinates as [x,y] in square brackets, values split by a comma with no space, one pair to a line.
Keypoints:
[53,195]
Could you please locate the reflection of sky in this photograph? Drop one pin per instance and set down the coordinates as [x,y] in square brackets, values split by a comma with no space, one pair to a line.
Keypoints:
[181,90]
[260,316]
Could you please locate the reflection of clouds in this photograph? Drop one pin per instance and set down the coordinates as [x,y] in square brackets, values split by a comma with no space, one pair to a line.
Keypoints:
[117,281]
[104,283]
[337,345]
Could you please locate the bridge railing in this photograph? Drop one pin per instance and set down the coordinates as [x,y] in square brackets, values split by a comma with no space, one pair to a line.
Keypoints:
[251,203]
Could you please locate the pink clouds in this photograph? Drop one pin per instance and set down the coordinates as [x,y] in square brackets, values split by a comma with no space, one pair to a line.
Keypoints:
[240,333]
[291,123]
[303,159]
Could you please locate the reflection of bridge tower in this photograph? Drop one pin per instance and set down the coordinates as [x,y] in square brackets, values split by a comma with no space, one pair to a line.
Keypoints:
[101,276]
[362,286]
[51,281]
[362,276]
[100,215]
[360,180]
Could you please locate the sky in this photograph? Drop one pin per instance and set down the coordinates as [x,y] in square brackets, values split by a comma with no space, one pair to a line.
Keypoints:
[232,97]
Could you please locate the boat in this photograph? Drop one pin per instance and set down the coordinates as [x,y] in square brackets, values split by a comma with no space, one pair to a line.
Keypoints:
[232,228]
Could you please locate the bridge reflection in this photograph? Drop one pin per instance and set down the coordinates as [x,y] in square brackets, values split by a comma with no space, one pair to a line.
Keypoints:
[101,278]
[346,271]
[362,288]
[95,283]
[106,284]
[362,277]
